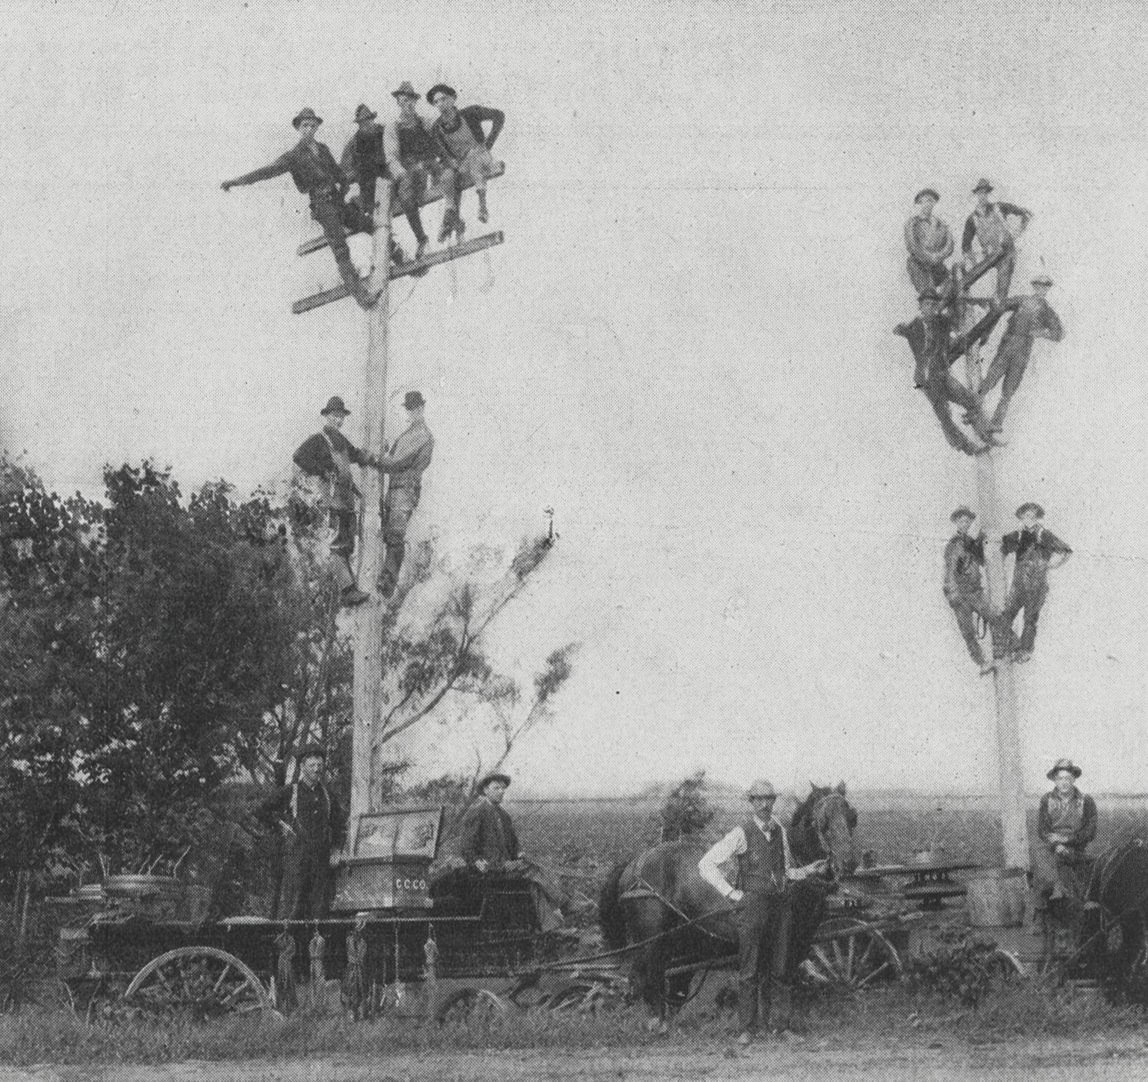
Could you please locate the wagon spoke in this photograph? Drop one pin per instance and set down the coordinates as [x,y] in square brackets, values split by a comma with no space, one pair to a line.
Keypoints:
[222,976]
[852,952]
[880,969]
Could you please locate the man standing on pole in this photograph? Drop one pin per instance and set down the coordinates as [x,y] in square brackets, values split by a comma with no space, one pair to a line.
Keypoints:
[929,243]
[988,226]
[765,866]
[328,456]
[965,587]
[1037,552]
[418,162]
[1032,318]
[410,456]
[316,173]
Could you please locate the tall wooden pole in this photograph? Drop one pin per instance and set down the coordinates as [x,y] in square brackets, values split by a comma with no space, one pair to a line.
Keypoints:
[368,678]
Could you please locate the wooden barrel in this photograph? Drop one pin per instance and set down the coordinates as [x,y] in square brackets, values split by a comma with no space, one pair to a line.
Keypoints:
[995,898]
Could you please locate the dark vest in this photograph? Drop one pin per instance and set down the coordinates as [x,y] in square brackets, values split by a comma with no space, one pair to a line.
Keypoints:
[761,868]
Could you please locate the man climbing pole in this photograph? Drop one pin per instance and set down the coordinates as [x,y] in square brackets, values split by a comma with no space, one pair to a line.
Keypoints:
[988,226]
[1032,318]
[929,243]
[316,173]
[410,456]
[328,455]
[930,338]
[465,151]
[1037,551]
[418,162]
[965,588]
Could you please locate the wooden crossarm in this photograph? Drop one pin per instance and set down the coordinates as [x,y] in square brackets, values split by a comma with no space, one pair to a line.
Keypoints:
[432,195]
[443,255]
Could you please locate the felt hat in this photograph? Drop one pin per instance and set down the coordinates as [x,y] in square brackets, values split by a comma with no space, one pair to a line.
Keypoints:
[761,788]
[982,186]
[440,88]
[1042,280]
[1034,507]
[413,399]
[405,90]
[962,512]
[311,751]
[1064,764]
[490,778]
[924,192]
[335,405]
[363,113]
[305,114]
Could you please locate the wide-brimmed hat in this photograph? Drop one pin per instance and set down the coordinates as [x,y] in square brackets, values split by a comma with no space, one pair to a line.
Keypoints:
[305,114]
[962,512]
[364,113]
[412,400]
[1064,764]
[405,90]
[440,88]
[311,751]
[927,191]
[982,186]
[761,788]
[490,778]
[335,404]
[1030,506]
[1042,280]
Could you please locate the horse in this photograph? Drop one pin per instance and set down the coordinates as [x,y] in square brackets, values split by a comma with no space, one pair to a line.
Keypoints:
[1113,937]
[657,908]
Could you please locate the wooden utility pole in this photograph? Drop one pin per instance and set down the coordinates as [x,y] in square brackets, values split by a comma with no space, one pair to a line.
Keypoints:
[1010,774]
[368,678]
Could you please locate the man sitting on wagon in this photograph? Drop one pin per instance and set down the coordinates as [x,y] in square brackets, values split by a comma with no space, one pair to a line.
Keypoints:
[490,845]
[1066,823]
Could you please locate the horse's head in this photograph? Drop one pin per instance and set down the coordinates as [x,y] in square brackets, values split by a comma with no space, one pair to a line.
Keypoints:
[822,829]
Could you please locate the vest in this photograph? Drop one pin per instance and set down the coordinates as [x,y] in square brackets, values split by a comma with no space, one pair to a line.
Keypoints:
[761,868]
[415,142]
[342,485]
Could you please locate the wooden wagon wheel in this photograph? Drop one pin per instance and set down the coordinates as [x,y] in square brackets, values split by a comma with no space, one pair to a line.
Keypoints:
[469,1006]
[203,981]
[853,957]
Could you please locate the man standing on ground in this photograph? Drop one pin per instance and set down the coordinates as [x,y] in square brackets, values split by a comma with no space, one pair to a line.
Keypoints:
[316,173]
[308,817]
[410,456]
[988,225]
[465,150]
[1037,552]
[765,867]
[1032,318]
[418,162]
[929,243]
[965,588]
[1065,824]
[327,456]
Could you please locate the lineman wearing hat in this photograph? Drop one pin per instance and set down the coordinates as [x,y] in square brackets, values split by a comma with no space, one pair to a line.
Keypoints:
[988,226]
[409,457]
[764,867]
[309,820]
[929,243]
[1032,318]
[316,173]
[1037,552]
[965,587]
[327,456]
[489,844]
[1065,824]
[419,162]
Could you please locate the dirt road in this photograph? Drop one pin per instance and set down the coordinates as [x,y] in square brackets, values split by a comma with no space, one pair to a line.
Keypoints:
[1125,1057]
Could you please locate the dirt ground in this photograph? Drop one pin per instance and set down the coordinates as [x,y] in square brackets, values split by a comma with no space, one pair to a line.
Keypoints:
[1107,1058]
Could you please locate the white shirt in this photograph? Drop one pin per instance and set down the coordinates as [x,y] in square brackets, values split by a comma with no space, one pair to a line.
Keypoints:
[734,845]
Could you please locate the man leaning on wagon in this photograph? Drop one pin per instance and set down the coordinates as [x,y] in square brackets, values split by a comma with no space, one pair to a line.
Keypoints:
[764,868]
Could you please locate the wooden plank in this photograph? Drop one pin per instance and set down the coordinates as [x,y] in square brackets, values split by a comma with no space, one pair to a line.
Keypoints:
[432,195]
[444,255]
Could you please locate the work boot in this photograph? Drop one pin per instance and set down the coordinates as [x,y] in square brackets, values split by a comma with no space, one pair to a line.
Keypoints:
[1021,656]
[352,596]
[988,667]
[420,247]
[449,218]
[483,213]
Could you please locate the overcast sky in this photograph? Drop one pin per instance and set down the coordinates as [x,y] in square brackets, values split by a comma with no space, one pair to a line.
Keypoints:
[685,350]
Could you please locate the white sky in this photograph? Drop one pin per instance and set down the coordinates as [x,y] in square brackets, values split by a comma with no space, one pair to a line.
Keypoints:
[686,350]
